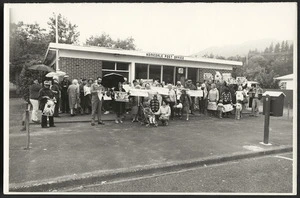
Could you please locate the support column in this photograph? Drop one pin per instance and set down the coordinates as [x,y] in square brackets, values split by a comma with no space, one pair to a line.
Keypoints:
[186,73]
[161,73]
[57,60]
[174,75]
[148,71]
[132,72]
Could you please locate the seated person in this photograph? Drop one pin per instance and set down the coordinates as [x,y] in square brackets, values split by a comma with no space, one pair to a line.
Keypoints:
[164,113]
[149,115]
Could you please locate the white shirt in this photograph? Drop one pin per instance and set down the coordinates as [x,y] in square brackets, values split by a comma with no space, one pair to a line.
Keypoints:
[86,90]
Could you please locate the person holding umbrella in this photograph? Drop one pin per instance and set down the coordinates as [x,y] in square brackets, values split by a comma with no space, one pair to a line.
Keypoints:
[97,91]
[46,94]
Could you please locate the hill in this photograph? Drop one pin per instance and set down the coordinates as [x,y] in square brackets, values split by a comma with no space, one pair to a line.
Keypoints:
[239,49]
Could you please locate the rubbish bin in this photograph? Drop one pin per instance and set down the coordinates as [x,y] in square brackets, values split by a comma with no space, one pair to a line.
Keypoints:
[276,102]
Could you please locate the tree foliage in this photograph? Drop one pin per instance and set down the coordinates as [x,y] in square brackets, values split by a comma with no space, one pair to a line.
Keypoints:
[104,40]
[28,45]
[266,65]
[67,32]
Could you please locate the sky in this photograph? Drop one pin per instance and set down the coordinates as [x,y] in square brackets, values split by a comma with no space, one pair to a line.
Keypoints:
[177,28]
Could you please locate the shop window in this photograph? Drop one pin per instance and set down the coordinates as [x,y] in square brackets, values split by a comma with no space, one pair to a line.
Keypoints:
[154,72]
[108,65]
[168,73]
[141,71]
[122,66]
[192,74]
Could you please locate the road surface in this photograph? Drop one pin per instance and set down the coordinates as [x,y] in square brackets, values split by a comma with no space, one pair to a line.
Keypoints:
[268,174]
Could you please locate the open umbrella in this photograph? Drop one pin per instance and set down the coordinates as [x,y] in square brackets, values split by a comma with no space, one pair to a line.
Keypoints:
[57,73]
[41,67]
[112,80]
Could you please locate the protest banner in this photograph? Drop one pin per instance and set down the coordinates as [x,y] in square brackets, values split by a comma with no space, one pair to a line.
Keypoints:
[126,87]
[226,77]
[121,96]
[160,90]
[195,93]
[139,92]
[241,80]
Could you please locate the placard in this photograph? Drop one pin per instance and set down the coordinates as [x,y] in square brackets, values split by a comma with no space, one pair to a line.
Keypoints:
[241,80]
[161,90]
[195,93]
[139,92]
[226,76]
[121,96]
[126,87]
[208,76]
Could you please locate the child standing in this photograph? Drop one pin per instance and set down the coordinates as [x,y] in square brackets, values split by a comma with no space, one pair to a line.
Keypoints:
[186,101]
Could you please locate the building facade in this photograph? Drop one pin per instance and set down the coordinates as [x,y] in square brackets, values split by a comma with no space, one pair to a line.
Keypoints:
[90,62]
[286,82]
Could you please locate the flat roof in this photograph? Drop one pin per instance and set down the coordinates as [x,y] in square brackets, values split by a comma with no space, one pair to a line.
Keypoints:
[138,53]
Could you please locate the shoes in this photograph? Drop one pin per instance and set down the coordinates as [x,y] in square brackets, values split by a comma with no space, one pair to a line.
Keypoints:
[120,121]
[167,123]
[93,124]
[187,119]
[106,112]
[100,122]
[117,121]
[52,126]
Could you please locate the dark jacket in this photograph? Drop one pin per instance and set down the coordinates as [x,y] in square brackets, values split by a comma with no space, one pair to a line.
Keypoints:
[185,99]
[64,86]
[44,92]
[56,87]
[34,91]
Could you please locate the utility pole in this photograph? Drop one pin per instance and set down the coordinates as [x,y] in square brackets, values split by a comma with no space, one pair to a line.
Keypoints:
[56,38]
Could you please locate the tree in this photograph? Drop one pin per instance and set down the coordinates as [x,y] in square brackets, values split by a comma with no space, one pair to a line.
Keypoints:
[67,32]
[125,44]
[282,47]
[104,40]
[28,45]
[271,48]
[277,48]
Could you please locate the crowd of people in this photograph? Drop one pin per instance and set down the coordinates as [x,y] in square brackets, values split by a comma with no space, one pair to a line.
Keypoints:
[89,96]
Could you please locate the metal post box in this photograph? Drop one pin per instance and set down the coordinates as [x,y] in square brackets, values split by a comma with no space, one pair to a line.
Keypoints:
[276,103]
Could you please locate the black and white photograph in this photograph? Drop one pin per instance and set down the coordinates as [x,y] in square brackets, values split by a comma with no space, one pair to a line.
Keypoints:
[153,98]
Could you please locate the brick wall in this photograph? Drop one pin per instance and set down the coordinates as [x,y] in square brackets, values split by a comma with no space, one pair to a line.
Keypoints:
[78,68]
[212,71]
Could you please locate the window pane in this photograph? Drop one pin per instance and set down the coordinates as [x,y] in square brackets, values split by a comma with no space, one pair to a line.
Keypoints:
[122,66]
[108,65]
[168,73]
[192,74]
[141,71]
[154,72]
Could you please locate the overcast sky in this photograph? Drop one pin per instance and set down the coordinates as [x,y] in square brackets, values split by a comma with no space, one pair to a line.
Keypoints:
[182,29]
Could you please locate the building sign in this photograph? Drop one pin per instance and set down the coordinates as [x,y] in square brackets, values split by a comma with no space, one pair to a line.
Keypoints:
[166,56]
[180,70]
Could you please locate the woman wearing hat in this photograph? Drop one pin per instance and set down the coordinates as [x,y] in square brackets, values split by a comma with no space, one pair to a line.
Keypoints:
[45,94]
[56,90]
